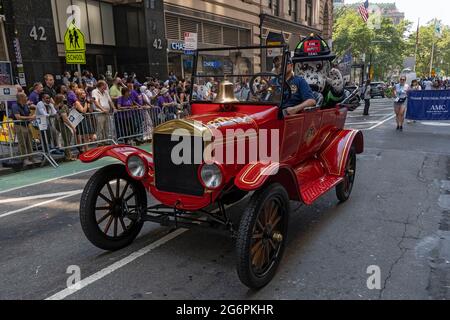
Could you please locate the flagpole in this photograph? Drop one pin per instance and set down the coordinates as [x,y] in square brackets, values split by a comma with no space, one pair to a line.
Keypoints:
[417,45]
[432,57]
[433,48]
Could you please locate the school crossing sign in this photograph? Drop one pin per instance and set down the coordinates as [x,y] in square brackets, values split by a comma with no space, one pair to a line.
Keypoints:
[75,44]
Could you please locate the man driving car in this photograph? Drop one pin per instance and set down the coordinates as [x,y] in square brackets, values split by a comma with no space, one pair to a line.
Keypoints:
[301,94]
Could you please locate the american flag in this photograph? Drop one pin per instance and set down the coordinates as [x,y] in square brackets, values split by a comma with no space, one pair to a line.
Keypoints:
[364,11]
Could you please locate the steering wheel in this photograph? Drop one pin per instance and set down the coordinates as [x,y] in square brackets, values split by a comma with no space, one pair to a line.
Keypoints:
[272,87]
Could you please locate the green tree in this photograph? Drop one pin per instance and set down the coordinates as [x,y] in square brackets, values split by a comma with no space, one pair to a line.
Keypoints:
[441,54]
[386,44]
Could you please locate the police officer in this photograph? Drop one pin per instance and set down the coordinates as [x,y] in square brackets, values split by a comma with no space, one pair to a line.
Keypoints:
[302,96]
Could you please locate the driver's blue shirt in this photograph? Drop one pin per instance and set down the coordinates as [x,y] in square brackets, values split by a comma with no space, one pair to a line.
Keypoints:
[301,91]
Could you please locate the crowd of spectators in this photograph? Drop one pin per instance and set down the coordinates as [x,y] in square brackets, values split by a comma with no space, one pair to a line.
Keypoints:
[107,106]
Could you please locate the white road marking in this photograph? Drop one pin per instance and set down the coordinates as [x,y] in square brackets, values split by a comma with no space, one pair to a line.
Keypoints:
[360,123]
[40,204]
[119,264]
[64,195]
[41,196]
[436,124]
[381,123]
[373,115]
[50,180]
[133,256]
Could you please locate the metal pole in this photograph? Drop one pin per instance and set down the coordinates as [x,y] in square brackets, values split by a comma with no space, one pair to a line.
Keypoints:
[432,58]
[417,46]
[432,50]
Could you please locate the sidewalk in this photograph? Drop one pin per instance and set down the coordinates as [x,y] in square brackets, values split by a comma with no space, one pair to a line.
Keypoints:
[10,180]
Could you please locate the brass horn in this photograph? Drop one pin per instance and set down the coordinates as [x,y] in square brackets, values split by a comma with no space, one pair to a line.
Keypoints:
[226,93]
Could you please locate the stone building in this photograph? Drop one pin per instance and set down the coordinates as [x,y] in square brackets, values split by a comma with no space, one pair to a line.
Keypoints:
[147,36]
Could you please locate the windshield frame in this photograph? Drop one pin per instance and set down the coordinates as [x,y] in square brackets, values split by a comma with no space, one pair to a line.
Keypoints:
[285,53]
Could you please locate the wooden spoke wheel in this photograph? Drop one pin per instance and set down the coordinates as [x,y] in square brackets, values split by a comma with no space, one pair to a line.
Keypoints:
[111,208]
[262,236]
[344,189]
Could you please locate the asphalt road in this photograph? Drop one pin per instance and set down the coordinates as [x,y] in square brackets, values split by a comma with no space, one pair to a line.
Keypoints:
[398,220]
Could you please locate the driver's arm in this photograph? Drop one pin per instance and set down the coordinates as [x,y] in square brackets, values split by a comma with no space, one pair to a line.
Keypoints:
[310,103]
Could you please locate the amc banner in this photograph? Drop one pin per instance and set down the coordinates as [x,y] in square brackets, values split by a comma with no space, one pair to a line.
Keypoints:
[429,105]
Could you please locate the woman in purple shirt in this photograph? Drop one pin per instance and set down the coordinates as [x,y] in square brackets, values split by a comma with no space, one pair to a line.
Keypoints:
[125,117]
[71,95]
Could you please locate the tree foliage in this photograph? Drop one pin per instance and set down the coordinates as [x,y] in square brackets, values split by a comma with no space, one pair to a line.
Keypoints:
[427,36]
[385,45]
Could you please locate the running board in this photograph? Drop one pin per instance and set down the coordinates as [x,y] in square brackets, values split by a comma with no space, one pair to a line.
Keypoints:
[313,190]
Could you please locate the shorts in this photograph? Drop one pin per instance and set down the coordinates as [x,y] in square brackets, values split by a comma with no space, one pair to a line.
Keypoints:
[399,106]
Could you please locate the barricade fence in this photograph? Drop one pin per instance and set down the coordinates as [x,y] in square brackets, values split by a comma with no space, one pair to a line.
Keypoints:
[63,135]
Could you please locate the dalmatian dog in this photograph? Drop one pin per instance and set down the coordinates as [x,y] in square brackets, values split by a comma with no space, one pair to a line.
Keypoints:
[314,74]
[335,81]
[326,82]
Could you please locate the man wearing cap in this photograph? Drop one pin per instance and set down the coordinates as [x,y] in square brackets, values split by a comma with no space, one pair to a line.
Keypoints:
[302,96]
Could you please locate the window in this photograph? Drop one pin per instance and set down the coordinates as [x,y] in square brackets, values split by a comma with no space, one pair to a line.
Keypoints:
[109,36]
[207,32]
[95,23]
[275,6]
[309,12]
[293,10]
[3,48]
[97,20]
[84,18]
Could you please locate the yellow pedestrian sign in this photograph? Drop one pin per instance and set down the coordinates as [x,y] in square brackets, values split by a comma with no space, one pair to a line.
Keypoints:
[75,44]
[76,57]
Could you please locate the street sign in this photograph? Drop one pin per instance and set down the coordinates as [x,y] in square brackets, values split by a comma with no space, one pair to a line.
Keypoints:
[75,45]
[190,41]
[75,58]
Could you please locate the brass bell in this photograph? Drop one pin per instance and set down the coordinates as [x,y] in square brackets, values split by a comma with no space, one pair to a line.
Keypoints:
[226,93]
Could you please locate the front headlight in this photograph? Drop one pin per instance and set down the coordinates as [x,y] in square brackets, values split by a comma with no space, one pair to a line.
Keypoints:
[211,176]
[136,167]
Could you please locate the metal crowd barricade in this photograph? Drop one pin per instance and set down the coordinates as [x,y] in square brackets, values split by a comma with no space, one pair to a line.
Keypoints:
[22,140]
[26,139]
[89,129]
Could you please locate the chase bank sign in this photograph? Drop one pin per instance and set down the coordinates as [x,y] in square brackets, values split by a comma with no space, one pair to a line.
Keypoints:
[177,46]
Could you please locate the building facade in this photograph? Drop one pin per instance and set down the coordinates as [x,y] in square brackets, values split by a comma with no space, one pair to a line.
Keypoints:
[146,37]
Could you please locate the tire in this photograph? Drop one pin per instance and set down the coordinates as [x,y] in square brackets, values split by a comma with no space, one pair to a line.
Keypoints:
[118,209]
[250,231]
[344,189]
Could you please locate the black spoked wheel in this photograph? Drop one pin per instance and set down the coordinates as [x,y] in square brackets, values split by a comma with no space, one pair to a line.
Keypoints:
[262,236]
[111,208]
[344,189]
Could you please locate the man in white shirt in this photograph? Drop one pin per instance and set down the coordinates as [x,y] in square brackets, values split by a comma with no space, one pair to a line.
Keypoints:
[105,106]
[428,85]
